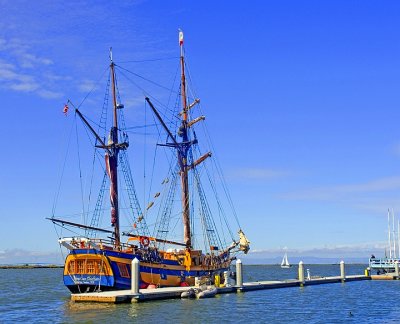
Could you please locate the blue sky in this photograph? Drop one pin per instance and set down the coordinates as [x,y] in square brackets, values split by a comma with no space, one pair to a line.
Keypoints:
[301,96]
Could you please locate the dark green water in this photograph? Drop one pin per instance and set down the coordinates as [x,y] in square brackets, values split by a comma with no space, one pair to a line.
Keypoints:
[38,296]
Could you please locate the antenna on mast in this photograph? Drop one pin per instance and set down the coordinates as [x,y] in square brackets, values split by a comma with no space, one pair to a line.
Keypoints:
[111,54]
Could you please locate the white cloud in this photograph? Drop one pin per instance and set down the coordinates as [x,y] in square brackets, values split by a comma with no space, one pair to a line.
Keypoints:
[6,66]
[343,191]
[24,87]
[87,86]
[342,250]
[31,61]
[50,94]
[258,173]
[23,71]
[7,73]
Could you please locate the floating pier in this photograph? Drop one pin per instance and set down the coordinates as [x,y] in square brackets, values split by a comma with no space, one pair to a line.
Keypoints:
[126,296]
[385,276]
[139,295]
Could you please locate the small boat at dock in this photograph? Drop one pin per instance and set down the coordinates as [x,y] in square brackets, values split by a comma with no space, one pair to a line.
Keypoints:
[209,292]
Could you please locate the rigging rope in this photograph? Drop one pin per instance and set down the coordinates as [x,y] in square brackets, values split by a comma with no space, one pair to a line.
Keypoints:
[220,173]
[80,174]
[152,60]
[94,87]
[143,78]
[57,193]
[102,125]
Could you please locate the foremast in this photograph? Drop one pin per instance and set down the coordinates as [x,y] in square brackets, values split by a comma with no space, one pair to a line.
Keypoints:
[111,158]
[112,148]
[183,153]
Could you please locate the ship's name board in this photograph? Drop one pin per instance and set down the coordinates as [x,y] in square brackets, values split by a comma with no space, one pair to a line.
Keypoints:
[88,280]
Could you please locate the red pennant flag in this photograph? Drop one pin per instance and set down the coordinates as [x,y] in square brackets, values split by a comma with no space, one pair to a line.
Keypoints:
[65,110]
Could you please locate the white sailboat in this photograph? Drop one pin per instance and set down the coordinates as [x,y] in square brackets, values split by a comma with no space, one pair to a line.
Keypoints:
[285,262]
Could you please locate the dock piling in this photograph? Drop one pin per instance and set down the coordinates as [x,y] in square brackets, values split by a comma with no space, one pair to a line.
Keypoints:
[135,276]
[342,272]
[396,269]
[301,273]
[239,274]
[226,279]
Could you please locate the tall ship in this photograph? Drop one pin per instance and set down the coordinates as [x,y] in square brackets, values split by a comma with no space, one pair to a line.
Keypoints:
[177,237]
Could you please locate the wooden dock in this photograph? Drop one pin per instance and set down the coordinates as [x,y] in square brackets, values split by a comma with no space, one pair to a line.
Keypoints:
[386,276]
[126,296]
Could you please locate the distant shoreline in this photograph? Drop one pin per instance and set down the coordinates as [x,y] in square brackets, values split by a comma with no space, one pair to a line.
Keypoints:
[55,266]
[30,266]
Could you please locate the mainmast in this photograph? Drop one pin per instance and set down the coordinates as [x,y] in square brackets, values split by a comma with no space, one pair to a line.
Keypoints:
[182,154]
[111,158]
[183,147]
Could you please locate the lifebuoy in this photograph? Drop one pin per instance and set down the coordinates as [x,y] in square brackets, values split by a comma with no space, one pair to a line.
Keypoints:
[144,240]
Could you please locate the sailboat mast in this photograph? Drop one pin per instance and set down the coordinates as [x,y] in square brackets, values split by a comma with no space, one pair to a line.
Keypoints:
[183,152]
[390,241]
[394,236]
[398,236]
[112,161]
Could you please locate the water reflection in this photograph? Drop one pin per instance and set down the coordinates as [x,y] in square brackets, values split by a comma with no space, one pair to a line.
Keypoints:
[76,311]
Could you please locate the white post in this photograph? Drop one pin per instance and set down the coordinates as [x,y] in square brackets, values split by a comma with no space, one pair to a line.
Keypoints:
[301,273]
[135,275]
[342,273]
[239,274]
[226,279]
[396,268]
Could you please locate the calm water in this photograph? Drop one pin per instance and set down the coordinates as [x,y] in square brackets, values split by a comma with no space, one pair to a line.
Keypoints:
[38,296]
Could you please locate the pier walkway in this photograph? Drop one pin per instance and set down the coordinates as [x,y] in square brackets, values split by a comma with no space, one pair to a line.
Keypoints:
[126,296]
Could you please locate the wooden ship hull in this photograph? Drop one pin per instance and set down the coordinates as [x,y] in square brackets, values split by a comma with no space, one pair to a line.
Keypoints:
[105,269]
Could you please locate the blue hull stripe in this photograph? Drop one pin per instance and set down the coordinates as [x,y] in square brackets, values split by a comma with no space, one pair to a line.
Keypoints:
[89,279]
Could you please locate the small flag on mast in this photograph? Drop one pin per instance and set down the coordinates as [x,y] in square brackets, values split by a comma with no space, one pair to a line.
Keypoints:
[65,110]
[180,38]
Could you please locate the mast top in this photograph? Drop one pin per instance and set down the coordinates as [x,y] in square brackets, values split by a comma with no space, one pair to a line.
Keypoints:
[181,41]
[111,58]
